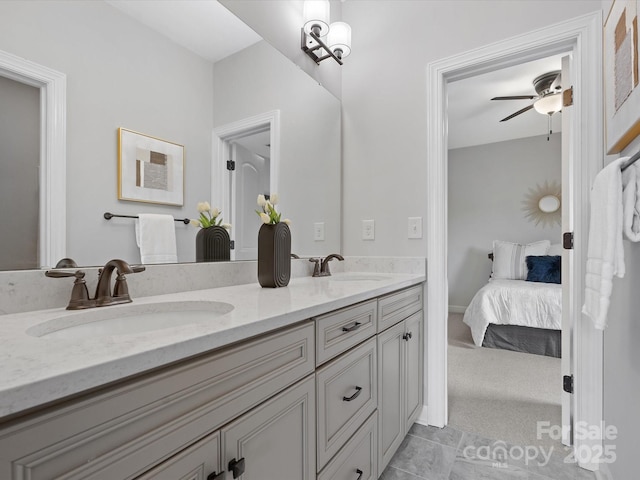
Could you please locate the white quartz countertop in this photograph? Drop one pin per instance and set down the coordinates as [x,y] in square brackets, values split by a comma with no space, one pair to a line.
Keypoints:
[38,370]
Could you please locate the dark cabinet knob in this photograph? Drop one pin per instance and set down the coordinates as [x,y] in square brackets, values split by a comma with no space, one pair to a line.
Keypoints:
[360,473]
[354,396]
[236,467]
[407,336]
[215,476]
[353,327]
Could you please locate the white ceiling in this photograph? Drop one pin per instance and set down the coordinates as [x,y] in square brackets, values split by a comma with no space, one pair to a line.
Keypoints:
[203,26]
[474,119]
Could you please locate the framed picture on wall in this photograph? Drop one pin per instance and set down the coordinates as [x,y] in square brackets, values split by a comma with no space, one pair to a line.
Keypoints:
[621,76]
[150,170]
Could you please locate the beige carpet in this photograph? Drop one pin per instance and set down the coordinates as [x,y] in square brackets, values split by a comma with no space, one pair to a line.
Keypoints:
[501,394]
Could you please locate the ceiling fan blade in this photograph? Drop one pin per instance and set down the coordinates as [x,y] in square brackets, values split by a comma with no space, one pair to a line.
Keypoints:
[515,97]
[517,113]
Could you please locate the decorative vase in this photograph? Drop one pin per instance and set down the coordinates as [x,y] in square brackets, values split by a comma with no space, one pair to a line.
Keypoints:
[274,255]
[213,245]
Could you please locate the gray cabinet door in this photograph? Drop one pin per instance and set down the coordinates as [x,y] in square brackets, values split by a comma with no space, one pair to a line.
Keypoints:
[198,462]
[413,368]
[275,440]
[391,387]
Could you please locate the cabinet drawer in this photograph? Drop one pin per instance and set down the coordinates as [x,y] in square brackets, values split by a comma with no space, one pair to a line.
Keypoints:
[358,455]
[143,421]
[338,331]
[199,461]
[347,395]
[397,306]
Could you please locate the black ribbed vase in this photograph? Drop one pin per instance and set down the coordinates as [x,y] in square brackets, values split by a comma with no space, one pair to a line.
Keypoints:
[213,245]
[274,255]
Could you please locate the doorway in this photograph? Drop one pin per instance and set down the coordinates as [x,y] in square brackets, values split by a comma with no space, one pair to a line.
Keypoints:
[583,37]
[246,164]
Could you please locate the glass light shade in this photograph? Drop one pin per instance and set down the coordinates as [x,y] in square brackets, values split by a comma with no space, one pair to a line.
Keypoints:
[316,13]
[548,104]
[340,38]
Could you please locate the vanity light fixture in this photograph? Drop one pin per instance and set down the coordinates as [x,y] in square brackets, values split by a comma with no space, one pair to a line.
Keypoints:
[337,44]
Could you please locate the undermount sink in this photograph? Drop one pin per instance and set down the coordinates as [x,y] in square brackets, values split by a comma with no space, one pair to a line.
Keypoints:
[359,278]
[128,319]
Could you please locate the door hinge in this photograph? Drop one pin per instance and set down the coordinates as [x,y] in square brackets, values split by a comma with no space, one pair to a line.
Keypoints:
[567,240]
[567,97]
[567,383]
[231,165]
[232,244]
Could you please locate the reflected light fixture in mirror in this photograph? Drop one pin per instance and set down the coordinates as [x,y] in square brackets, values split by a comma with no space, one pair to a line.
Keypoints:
[337,44]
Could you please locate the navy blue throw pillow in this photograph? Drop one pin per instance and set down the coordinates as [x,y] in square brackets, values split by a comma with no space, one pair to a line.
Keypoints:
[544,268]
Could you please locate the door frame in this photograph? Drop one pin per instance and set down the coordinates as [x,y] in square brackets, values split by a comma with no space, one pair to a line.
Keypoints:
[52,213]
[221,179]
[582,36]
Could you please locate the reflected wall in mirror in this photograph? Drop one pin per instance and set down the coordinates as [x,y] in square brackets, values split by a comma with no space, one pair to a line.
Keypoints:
[121,73]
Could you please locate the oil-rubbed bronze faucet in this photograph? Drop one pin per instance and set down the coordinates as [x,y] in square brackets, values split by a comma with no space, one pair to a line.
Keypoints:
[103,297]
[321,268]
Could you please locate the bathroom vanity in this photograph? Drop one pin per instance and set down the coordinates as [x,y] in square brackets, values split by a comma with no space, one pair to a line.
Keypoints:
[321,379]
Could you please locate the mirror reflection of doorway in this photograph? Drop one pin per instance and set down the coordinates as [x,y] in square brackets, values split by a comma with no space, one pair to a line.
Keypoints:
[251,177]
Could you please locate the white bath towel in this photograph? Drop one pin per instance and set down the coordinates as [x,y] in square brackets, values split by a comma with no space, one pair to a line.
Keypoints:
[156,237]
[605,255]
[631,202]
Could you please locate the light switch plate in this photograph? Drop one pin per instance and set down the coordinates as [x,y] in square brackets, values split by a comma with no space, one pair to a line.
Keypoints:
[318,231]
[415,227]
[368,230]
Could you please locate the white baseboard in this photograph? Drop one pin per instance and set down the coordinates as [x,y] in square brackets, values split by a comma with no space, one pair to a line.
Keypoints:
[422,417]
[457,309]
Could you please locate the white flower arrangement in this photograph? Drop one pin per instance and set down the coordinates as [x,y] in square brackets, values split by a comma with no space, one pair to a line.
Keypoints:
[269,215]
[209,217]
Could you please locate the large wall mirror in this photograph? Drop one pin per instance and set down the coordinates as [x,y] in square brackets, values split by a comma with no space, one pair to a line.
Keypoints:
[123,73]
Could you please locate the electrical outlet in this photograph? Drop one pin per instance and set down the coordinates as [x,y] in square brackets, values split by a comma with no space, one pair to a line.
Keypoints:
[318,231]
[415,227]
[368,230]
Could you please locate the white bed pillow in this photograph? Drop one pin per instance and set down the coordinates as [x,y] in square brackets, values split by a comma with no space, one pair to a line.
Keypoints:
[509,259]
[555,249]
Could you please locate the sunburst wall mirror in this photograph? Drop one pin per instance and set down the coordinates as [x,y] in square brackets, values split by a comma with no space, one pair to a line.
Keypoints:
[542,204]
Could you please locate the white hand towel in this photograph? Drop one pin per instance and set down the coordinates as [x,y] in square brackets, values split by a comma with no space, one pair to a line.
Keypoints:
[631,202]
[605,254]
[156,237]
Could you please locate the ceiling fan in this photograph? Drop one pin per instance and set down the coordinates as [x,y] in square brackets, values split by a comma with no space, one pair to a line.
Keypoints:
[548,99]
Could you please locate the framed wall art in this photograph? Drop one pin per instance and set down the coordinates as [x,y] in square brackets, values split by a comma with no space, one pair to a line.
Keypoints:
[150,169]
[622,95]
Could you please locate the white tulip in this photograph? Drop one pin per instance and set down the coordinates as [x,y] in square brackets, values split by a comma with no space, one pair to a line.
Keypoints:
[287,221]
[274,199]
[265,218]
[215,212]
[268,206]
[195,223]
[226,225]
[203,207]
[261,200]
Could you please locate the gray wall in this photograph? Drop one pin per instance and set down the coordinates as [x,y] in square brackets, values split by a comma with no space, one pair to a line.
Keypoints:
[119,74]
[19,174]
[279,22]
[487,184]
[622,360]
[384,98]
[309,179]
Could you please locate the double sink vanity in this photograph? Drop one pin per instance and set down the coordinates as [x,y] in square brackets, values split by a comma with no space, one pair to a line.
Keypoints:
[318,380]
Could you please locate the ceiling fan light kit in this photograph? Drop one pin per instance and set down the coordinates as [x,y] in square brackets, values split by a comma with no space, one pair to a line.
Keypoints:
[548,99]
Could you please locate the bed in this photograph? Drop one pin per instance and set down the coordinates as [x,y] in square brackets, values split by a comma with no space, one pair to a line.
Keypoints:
[516,314]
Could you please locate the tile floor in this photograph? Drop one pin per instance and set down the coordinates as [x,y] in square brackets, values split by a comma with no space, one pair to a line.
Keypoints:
[429,453]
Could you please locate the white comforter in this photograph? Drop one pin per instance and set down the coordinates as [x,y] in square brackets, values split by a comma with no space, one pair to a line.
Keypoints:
[514,302]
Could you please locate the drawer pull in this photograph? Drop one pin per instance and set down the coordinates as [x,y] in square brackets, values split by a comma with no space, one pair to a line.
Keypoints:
[237,467]
[353,327]
[360,473]
[215,476]
[354,396]
[407,336]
